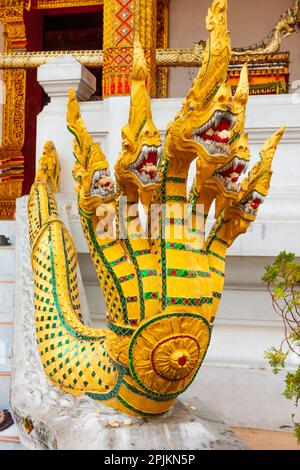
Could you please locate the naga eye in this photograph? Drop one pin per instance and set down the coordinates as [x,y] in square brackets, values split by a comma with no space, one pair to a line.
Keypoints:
[191,106]
[125,143]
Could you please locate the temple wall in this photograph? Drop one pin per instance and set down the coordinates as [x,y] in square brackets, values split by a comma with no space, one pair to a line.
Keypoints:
[249,23]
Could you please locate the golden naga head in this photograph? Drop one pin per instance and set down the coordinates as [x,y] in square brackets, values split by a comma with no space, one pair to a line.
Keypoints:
[203,126]
[225,180]
[239,214]
[91,170]
[289,19]
[49,168]
[141,140]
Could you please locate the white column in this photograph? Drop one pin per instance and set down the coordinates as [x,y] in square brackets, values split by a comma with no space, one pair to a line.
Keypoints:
[56,77]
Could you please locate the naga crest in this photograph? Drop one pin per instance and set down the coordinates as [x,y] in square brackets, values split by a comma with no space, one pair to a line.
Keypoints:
[162,292]
[224,184]
[91,170]
[48,167]
[202,128]
[242,207]
[141,140]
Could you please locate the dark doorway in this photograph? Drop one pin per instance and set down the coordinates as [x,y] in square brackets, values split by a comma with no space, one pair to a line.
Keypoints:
[56,30]
[77,31]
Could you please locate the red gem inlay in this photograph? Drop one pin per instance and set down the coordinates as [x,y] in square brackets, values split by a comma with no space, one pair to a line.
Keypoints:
[182,361]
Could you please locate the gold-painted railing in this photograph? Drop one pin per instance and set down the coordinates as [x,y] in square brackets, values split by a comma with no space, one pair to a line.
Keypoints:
[164,58]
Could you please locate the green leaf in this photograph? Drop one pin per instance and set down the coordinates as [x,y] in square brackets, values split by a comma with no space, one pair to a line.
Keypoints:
[292,383]
[279,293]
[276,359]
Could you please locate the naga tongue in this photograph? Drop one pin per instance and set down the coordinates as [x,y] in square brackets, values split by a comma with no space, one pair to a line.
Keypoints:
[255,204]
[234,177]
[224,125]
[233,173]
[149,164]
[150,170]
[220,133]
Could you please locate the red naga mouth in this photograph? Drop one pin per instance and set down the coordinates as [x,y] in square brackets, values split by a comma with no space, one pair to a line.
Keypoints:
[251,203]
[215,134]
[102,185]
[219,133]
[230,173]
[145,167]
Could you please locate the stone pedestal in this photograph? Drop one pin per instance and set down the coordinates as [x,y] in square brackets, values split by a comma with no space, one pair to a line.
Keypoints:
[58,75]
[47,418]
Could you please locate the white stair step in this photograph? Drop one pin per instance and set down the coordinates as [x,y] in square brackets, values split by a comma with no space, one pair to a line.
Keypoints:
[9,439]
[4,389]
[7,264]
[6,317]
[11,432]
[8,228]
[5,365]
[6,296]
[5,340]
[10,445]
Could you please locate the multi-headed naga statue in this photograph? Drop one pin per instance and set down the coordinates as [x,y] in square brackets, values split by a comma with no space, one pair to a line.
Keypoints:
[162,292]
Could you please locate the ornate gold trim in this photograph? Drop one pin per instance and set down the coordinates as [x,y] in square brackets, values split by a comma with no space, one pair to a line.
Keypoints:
[162,42]
[47,4]
[7,208]
[13,127]
[13,118]
[27,60]
[122,18]
[164,58]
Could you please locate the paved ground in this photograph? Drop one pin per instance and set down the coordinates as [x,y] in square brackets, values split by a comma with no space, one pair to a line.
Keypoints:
[257,439]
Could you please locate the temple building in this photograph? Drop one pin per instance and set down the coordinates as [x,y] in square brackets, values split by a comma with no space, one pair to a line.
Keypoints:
[48,46]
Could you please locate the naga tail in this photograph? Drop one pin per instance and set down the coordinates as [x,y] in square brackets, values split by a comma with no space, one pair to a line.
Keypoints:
[74,356]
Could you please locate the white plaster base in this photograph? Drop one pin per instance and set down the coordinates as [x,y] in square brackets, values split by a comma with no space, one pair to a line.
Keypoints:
[62,421]
[243,396]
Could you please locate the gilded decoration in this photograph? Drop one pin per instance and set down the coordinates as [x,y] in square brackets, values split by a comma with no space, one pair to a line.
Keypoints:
[118,46]
[13,130]
[162,41]
[121,19]
[285,26]
[269,73]
[35,59]
[162,286]
[46,4]
[14,78]
[185,57]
